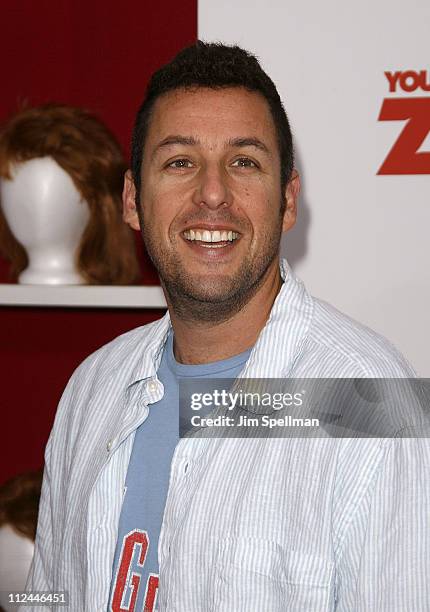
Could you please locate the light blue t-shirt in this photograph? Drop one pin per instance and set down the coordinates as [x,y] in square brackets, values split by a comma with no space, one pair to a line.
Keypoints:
[135,568]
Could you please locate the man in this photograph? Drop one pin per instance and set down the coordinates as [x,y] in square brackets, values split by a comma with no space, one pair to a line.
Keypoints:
[240,524]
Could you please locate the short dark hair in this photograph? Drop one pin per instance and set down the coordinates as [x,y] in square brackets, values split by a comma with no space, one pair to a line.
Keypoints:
[212,65]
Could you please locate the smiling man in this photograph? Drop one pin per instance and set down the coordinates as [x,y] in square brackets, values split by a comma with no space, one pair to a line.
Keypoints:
[132,519]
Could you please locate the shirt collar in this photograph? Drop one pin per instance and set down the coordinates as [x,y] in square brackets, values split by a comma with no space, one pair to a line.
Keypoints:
[144,357]
[282,338]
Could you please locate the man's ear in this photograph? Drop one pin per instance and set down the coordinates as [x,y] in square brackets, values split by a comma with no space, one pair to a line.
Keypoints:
[291,196]
[129,210]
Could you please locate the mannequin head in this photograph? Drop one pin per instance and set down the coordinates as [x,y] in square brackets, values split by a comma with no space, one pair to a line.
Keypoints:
[79,157]
[48,216]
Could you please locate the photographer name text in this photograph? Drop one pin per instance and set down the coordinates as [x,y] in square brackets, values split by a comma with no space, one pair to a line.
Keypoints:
[246,421]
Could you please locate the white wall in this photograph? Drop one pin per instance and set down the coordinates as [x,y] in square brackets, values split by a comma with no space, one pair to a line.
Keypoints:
[362,240]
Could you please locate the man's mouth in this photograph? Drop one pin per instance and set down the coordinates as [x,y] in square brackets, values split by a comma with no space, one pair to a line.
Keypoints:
[211,239]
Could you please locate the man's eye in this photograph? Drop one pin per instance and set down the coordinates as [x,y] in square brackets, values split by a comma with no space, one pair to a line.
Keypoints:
[244,162]
[180,163]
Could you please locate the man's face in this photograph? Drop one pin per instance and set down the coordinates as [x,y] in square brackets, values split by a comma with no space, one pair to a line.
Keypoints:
[210,197]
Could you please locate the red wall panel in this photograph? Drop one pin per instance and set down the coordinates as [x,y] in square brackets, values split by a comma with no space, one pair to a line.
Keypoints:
[93,53]
[40,348]
[98,55]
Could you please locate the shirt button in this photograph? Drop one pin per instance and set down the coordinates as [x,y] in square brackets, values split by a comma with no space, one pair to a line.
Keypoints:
[152,386]
[109,445]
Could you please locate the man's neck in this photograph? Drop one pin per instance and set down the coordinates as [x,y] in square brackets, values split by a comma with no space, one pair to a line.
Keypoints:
[197,342]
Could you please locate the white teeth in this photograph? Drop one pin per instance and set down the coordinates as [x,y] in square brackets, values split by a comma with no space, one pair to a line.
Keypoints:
[210,237]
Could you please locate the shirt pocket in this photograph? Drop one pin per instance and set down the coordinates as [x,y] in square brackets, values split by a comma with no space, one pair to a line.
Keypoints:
[258,575]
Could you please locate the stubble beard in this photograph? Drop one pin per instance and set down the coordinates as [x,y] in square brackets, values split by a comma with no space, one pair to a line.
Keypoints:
[217,301]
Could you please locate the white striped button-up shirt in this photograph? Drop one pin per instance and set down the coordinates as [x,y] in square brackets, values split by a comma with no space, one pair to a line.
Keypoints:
[250,525]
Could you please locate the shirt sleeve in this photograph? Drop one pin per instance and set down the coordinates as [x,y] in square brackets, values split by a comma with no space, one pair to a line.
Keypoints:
[385,561]
[40,575]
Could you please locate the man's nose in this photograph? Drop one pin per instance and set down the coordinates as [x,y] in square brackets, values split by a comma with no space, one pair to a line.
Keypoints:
[213,190]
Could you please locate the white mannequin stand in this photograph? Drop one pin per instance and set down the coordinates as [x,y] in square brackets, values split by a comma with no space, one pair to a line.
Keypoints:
[47,215]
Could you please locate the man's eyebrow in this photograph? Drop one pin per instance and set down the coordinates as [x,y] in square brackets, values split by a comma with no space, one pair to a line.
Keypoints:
[239,142]
[249,142]
[175,139]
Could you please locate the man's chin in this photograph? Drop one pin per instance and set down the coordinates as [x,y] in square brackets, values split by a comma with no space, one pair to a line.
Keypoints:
[207,292]
[211,298]
[211,303]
